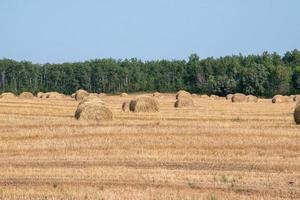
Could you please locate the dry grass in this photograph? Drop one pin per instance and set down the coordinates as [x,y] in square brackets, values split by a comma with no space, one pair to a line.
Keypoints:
[214,150]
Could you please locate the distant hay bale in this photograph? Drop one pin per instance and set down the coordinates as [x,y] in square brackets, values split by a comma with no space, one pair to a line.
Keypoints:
[94,99]
[54,95]
[182,93]
[229,97]
[125,106]
[40,94]
[156,94]
[214,97]
[102,94]
[184,102]
[144,104]
[296,98]
[80,94]
[26,95]
[204,96]
[123,94]
[280,99]
[251,98]
[238,97]
[93,111]
[7,95]
[297,114]
[94,94]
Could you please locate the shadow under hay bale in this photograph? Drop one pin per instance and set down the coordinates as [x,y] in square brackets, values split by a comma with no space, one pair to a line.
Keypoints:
[297,114]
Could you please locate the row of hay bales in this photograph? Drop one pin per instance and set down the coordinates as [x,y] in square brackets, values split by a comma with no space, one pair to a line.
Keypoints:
[285,99]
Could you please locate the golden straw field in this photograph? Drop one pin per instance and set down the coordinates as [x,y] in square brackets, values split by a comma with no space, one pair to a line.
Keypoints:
[215,150]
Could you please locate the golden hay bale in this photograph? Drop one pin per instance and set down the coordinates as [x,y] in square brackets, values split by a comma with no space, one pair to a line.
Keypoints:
[251,98]
[123,94]
[214,97]
[102,94]
[80,94]
[184,102]
[54,95]
[26,95]
[204,96]
[40,94]
[144,104]
[93,111]
[229,96]
[182,93]
[7,95]
[297,114]
[125,106]
[238,97]
[296,98]
[280,99]
[156,94]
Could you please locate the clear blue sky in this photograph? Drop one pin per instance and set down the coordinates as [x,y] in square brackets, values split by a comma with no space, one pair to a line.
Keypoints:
[76,30]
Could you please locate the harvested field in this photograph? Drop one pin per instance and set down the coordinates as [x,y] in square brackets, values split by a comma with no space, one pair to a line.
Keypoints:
[214,150]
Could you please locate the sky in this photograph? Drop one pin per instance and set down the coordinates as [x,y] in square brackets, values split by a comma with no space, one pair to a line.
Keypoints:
[59,31]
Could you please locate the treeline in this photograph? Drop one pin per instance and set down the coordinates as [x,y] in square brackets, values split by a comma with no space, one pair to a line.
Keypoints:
[261,75]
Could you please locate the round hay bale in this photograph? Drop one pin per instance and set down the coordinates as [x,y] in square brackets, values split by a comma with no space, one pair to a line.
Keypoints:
[238,97]
[184,102]
[93,111]
[280,99]
[144,104]
[94,99]
[40,94]
[7,95]
[214,97]
[182,93]
[156,94]
[54,95]
[80,94]
[26,95]
[296,98]
[251,98]
[204,96]
[123,94]
[229,97]
[297,114]
[125,106]
[102,94]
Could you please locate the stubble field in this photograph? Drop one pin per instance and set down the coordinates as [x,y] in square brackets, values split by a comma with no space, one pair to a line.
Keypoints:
[215,150]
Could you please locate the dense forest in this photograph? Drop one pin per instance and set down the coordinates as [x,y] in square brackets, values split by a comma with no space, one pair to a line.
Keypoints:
[261,75]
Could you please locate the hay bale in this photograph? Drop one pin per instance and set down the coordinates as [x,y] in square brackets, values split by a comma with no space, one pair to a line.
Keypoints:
[80,94]
[7,95]
[102,94]
[156,94]
[144,104]
[40,94]
[93,111]
[297,114]
[238,97]
[123,94]
[184,102]
[214,97]
[182,93]
[251,98]
[296,98]
[280,99]
[229,97]
[54,95]
[26,95]
[194,95]
[204,96]
[125,106]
